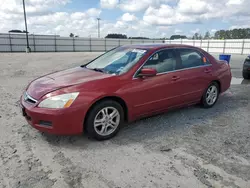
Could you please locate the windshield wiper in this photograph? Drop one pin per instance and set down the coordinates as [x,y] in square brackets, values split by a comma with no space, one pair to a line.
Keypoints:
[97,70]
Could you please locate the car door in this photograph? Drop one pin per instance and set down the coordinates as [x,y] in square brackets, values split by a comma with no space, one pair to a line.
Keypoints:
[152,94]
[196,73]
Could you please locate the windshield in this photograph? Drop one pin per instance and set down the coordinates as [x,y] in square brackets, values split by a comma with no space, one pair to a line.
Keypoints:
[117,61]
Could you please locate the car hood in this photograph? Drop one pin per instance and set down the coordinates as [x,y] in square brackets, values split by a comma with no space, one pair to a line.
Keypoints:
[51,82]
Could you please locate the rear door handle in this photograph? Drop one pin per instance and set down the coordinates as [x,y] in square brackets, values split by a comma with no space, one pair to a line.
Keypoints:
[174,78]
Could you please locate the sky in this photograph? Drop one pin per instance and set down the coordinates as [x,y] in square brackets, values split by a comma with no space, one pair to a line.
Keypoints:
[147,18]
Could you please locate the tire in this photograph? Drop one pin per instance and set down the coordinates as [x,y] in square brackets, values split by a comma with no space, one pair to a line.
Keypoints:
[210,102]
[101,126]
[246,75]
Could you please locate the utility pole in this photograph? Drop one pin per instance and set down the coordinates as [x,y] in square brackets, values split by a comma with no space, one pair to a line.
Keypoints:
[26,29]
[98,21]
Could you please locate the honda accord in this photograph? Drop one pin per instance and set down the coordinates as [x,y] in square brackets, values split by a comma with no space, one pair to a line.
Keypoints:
[122,85]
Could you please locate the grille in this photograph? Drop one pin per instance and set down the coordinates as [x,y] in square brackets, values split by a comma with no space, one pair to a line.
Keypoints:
[29,99]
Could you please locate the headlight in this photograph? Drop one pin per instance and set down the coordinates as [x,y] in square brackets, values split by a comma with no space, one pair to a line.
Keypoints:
[59,101]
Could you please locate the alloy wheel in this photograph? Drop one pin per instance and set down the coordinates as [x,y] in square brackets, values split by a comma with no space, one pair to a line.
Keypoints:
[211,95]
[106,121]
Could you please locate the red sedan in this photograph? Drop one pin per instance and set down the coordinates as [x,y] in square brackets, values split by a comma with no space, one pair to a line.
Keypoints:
[124,84]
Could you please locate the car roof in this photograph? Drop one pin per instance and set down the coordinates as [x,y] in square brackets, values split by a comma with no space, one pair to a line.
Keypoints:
[157,46]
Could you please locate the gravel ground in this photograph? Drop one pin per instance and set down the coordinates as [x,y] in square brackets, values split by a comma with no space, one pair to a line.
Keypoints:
[186,148]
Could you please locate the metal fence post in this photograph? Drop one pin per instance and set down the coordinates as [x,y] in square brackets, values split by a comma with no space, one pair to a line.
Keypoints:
[193,42]
[243,46]
[224,46]
[34,42]
[130,41]
[181,41]
[119,42]
[208,46]
[105,44]
[55,44]
[201,43]
[90,45]
[74,44]
[10,43]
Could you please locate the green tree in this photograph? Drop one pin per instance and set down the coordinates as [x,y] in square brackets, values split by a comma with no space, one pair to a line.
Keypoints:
[227,34]
[15,31]
[71,35]
[233,34]
[222,34]
[217,35]
[196,36]
[207,35]
[177,37]
[116,36]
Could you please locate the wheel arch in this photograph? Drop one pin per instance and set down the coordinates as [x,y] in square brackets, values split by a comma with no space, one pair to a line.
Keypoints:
[114,98]
[219,84]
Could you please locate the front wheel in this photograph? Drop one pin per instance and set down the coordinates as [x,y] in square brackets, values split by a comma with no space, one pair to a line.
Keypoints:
[104,120]
[210,96]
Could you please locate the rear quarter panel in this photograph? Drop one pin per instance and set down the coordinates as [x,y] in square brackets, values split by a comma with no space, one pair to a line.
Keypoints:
[221,71]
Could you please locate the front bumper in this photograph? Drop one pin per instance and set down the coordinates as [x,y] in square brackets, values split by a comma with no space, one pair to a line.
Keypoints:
[54,121]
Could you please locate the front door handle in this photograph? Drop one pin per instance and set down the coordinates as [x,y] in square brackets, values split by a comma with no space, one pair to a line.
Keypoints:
[207,70]
[174,78]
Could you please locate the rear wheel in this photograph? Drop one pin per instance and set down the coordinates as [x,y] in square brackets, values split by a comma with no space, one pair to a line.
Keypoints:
[246,75]
[210,96]
[104,120]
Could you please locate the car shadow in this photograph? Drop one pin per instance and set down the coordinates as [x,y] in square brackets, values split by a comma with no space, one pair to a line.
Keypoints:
[245,81]
[163,125]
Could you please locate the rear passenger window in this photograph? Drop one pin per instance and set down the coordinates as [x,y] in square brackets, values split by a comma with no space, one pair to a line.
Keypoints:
[191,58]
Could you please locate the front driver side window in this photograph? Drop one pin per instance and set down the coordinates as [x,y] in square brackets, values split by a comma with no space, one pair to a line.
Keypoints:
[162,61]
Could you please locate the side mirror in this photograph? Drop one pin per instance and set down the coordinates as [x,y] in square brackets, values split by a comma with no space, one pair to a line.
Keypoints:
[147,72]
